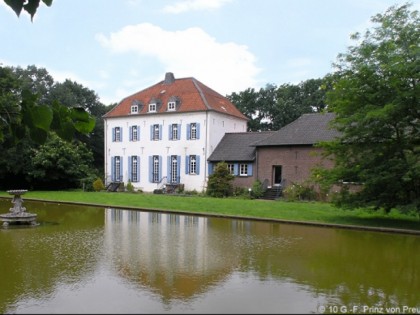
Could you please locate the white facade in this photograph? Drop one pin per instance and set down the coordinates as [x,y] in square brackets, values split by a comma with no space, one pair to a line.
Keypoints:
[151,163]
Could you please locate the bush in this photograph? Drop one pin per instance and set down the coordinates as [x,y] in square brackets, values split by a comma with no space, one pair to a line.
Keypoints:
[299,192]
[257,189]
[130,187]
[98,185]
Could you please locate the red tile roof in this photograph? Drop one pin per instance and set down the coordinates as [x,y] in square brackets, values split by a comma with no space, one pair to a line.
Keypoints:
[191,96]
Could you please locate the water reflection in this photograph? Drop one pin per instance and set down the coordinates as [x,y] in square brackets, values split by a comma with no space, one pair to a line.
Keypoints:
[95,260]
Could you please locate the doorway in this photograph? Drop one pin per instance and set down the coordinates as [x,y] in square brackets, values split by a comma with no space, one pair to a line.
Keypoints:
[277,175]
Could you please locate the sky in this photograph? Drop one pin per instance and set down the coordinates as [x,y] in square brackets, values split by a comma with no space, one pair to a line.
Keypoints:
[119,47]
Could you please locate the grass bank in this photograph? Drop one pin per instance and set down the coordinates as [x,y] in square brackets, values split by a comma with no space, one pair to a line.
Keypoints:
[303,212]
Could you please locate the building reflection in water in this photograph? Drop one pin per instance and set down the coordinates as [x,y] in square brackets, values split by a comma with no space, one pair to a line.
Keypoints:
[171,254]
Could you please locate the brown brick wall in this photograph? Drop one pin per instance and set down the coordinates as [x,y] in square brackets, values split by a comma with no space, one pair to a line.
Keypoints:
[296,162]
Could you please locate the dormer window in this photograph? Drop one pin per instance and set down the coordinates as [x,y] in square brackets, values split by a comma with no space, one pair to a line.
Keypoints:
[171,106]
[152,107]
[134,109]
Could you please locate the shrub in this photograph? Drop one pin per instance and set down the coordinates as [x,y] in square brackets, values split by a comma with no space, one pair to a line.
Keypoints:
[130,187]
[98,185]
[257,189]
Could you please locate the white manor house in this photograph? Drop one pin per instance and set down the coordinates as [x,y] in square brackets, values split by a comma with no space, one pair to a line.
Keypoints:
[162,136]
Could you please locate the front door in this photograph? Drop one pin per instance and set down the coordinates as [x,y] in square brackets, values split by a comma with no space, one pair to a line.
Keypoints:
[276,175]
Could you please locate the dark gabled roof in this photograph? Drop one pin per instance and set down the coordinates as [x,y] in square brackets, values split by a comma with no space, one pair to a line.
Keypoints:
[190,94]
[308,129]
[237,146]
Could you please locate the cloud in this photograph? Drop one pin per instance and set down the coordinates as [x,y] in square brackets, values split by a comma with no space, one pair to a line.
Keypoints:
[225,67]
[194,5]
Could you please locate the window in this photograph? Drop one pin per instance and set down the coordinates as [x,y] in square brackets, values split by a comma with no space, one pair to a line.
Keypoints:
[116,169]
[134,168]
[156,132]
[134,109]
[174,163]
[116,134]
[155,168]
[193,131]
[152,107]
[134,133]
[192,164]
[171,106]
[243,169]
[174,132]
[231,168]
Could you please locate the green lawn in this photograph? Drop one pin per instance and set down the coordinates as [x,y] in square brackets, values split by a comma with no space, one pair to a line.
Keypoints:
[309,212]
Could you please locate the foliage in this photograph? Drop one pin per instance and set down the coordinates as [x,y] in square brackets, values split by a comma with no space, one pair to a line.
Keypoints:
[257,189]
[376,101]
[30,6]
[60,164]
[130,187]
[98,185]
[273,107]
[25,113]
[299,191]
[220,181]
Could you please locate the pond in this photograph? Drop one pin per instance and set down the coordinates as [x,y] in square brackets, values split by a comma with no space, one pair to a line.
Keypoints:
[82,259]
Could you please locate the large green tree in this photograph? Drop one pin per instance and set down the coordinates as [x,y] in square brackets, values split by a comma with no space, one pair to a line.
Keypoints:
[376,98]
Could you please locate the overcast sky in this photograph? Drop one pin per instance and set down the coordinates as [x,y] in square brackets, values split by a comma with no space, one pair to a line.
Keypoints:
[119,47]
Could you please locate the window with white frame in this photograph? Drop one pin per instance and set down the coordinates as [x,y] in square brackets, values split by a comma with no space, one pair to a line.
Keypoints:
[174,169]
[243,169]
[134,168]
[174,132]
[193,164]
[116,169]
[171,106]
[152,107]
[193,131]
[156,132]
[116,134]
[231,168]
[134,133]
[156,168]
[134,109]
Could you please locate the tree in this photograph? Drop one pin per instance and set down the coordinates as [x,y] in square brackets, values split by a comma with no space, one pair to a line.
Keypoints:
[61,164]
[376,100]
[30,6]
[220,182]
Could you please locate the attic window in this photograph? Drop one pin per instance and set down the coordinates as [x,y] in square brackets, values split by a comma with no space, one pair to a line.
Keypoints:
[134,109]
[171,106]
[152,107]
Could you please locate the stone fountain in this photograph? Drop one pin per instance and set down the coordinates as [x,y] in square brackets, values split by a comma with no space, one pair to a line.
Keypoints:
[17,214]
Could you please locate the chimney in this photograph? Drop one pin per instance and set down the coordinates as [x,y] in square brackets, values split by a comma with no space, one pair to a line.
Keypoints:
[169,78]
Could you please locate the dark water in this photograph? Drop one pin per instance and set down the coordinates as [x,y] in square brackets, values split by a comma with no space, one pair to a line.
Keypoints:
[94,260]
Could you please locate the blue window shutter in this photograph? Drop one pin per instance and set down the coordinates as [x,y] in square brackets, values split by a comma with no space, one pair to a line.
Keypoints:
[130,131]
[236,169]
[210,170]
[197,157]
[129,168]
[198,130]
[121,170]
[138,133]
[250,169]
[112,169]
[160,132]
[179,132]
[188,131]
[138,168]
[121,134]
[178,159]
[113,134]
[168,170]
[160,167]
[187,164]
[151,132]
[151,169]
[170,132]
